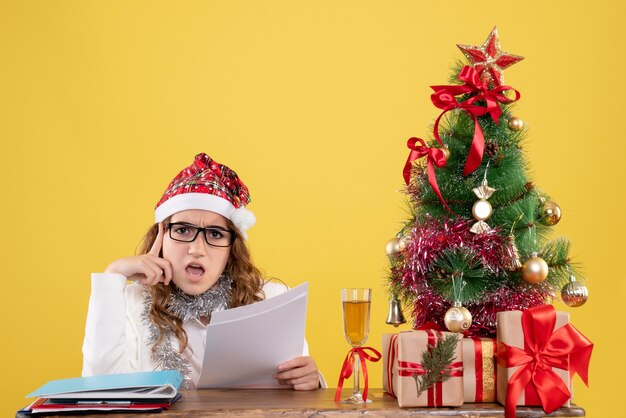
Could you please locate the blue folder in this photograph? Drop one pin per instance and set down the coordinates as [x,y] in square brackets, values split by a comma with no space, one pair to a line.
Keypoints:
[141,385]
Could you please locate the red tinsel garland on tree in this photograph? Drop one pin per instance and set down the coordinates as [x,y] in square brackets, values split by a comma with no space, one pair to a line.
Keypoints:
[427,240]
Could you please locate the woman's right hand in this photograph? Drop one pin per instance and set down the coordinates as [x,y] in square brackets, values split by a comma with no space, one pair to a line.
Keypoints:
[148,268]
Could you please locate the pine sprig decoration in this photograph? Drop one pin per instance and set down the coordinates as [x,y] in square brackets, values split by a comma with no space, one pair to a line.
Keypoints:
[435,362]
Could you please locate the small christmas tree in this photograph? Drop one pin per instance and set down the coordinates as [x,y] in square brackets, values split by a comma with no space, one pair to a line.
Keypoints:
[476,242]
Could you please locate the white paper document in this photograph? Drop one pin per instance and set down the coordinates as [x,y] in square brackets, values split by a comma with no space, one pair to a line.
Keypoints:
[245,345]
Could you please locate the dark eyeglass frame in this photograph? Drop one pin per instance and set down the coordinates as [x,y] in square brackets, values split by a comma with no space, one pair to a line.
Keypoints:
[233,234]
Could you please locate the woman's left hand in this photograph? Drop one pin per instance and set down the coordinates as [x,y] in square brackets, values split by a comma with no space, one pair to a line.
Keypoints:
[300,373]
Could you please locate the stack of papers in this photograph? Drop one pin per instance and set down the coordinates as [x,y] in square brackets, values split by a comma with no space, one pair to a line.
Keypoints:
[144,391]
[244,345]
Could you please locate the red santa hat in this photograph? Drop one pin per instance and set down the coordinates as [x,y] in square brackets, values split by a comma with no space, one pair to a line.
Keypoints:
[207,185]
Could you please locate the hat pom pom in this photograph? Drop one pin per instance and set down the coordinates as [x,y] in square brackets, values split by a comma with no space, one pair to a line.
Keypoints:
[243,218]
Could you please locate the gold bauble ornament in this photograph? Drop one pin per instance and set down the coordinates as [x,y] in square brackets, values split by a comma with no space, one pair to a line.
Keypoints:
[550,213]
[458,318]
[574,293]
[394,246]
[535,269]
[515,124]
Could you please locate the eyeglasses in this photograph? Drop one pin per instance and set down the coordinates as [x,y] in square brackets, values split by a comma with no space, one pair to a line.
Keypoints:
[215,236]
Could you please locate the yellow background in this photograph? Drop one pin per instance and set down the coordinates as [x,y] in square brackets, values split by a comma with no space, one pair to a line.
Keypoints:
[102,103]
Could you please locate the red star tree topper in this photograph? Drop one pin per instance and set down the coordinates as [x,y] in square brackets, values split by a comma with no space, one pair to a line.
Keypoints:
[489,60]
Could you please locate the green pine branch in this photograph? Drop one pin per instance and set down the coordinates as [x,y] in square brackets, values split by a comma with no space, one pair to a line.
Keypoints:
[556,254]
[435,362]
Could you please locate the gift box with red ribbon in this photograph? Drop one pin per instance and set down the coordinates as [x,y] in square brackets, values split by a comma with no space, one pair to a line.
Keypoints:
[479,370]
[388,372]
[538,353]
[404,371]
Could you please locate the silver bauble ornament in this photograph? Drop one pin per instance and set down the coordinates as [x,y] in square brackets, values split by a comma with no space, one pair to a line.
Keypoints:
[458,318]
[574,293]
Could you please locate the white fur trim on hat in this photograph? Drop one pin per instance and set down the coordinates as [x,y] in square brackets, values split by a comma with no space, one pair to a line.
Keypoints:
[243,218]
[186,201]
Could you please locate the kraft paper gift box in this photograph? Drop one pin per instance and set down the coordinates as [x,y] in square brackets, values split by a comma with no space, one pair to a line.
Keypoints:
[402,359]
[388,372]
[538,352]
[479,369]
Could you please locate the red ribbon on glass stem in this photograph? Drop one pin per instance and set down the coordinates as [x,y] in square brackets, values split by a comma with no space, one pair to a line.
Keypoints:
[348,367]
[544,348]
[444,98]
[435,157]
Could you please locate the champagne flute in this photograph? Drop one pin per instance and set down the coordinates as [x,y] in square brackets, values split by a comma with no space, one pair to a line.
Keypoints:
[356,327]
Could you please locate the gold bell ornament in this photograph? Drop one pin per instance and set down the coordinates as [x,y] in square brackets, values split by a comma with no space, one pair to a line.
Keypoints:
[395,316]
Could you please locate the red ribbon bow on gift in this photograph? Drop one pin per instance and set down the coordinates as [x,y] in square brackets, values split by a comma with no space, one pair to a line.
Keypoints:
[348,367]
[436,157]
[565,348]
[444,98]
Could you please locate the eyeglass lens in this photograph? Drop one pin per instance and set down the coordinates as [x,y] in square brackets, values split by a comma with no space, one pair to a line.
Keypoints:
[215,236]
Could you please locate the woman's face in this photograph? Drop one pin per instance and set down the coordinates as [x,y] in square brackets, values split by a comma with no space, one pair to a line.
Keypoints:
[196,266]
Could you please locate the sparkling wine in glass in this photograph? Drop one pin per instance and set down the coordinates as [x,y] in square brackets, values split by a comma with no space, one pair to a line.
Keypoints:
[356,326]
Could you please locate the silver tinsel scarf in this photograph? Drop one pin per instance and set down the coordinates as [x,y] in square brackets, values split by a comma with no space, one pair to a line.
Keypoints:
[185,307]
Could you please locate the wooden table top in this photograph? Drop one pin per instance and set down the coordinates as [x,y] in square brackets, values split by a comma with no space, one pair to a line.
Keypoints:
[318,403]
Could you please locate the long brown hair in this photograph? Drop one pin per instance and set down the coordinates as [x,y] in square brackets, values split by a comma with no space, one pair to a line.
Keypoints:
[246,288]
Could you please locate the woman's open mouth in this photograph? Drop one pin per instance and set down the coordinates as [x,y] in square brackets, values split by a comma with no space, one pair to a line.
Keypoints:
[194,272]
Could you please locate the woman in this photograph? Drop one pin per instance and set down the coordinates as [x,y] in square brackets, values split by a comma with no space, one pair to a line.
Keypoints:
[193,261]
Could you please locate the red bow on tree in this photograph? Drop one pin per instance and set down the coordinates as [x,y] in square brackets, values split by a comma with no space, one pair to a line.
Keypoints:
[436,157]
[444,98]
[544,348]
